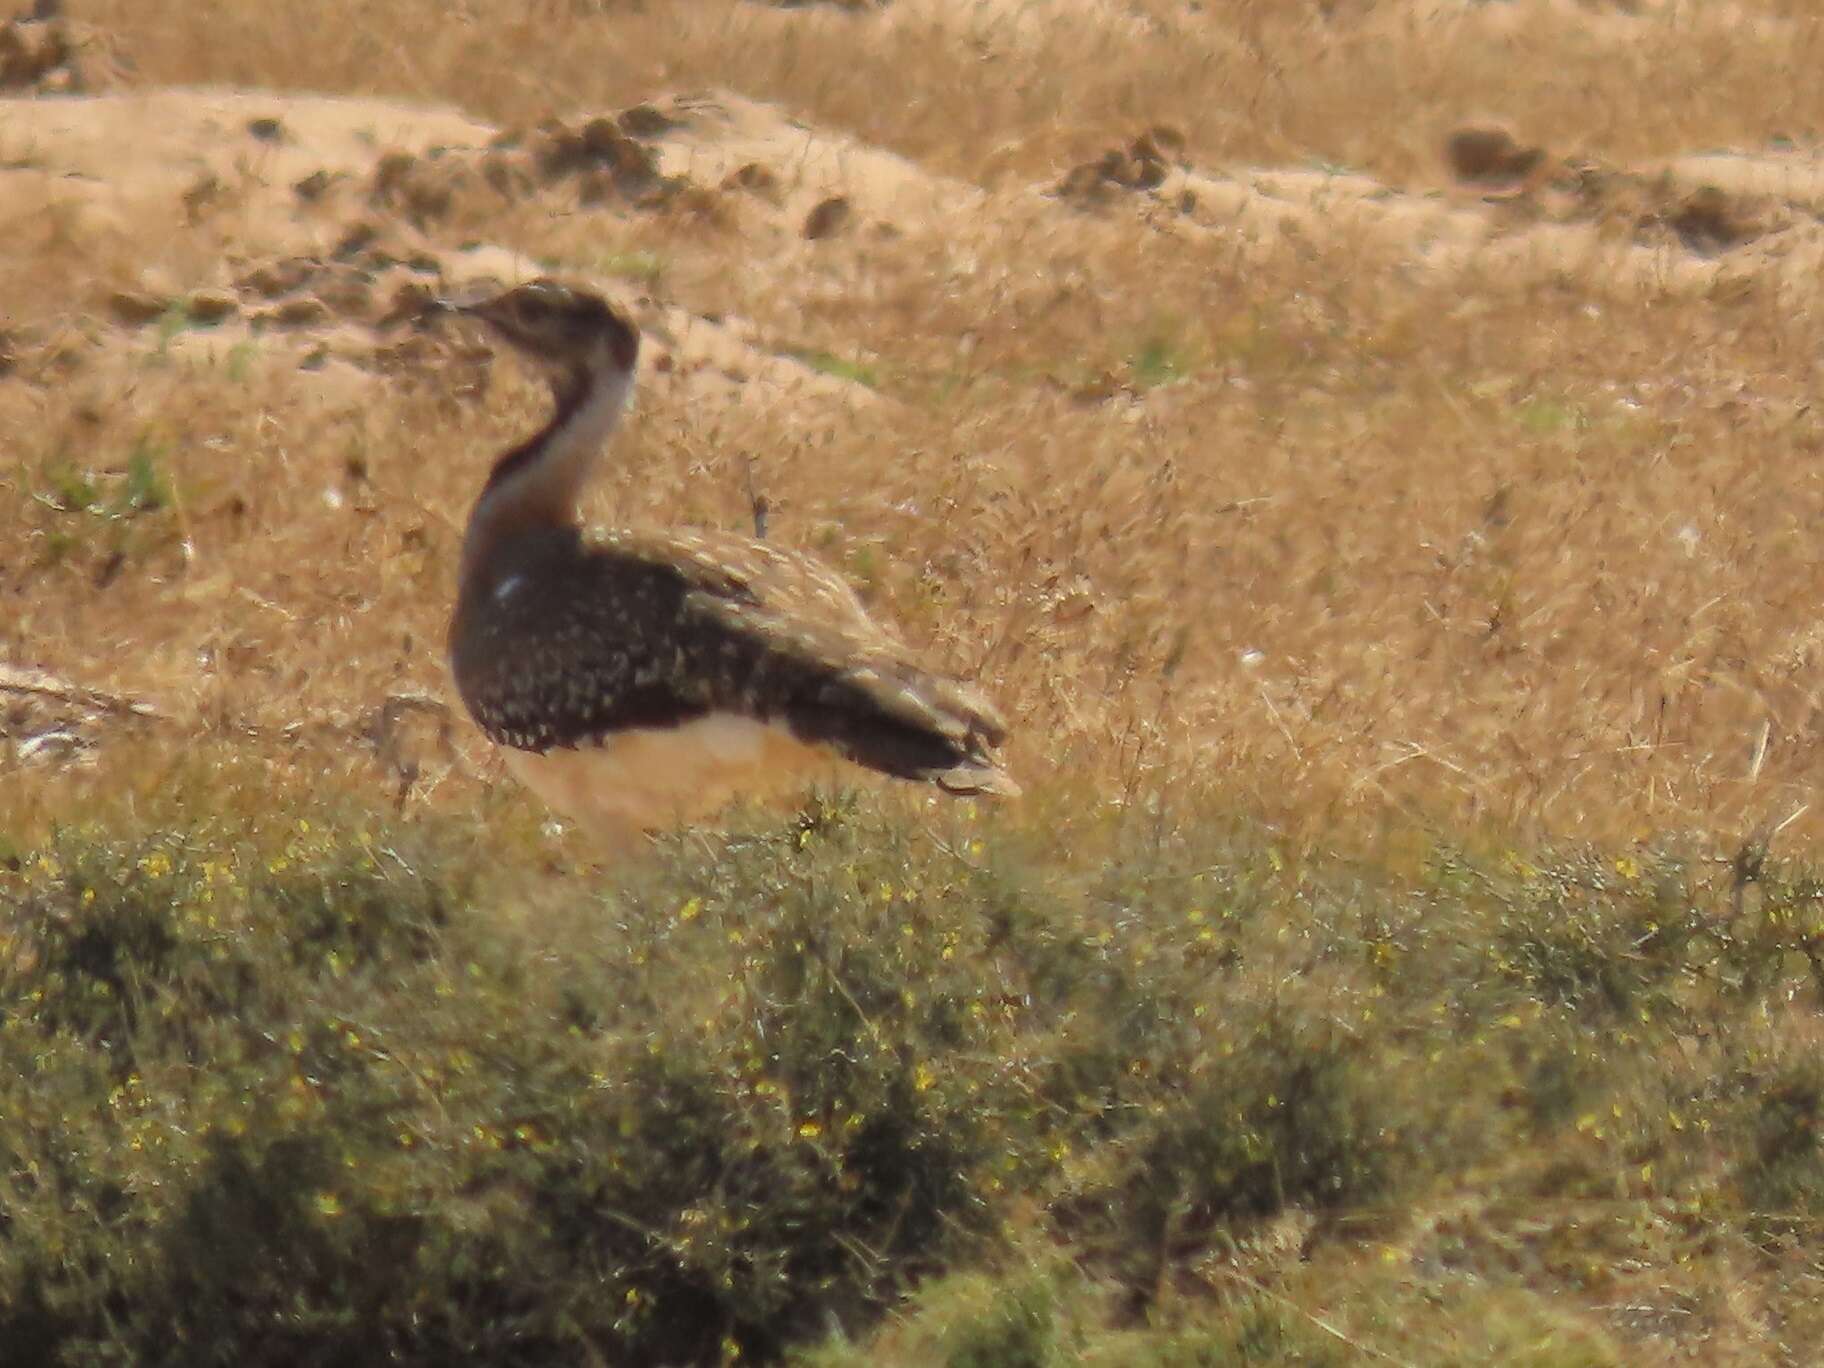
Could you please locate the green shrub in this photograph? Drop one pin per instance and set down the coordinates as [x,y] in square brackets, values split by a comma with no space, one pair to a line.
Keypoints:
[312,1093]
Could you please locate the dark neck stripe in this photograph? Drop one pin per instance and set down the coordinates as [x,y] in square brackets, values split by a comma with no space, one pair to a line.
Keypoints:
[571,390]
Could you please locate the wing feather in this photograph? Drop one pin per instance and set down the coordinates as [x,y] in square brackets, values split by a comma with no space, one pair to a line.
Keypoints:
[794,607]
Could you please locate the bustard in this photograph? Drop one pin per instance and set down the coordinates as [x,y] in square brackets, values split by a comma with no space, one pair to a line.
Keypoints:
[640,679]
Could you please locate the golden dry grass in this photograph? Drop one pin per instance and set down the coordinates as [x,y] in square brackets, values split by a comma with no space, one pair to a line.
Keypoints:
[1290,513]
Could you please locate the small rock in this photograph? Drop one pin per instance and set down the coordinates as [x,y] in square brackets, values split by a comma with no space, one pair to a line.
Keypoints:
[358,238]
[644,121]
[1097,391]
[312,187]
[211,306]
[1489,155]
[1708,223]
[607,160]
[203,192]
[136,308]
[1145,169]
[266,130]
[301,311]
[1083,183]
[1141,165]
[281,277]
[391,171]
[827,219]
[603,138]
[755,179]
[349,294]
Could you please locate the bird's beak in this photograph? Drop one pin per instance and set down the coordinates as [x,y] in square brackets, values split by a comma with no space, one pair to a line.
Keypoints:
[439,307]
[471,302]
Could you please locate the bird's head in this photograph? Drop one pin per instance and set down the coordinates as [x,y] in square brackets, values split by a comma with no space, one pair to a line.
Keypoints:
[571,333]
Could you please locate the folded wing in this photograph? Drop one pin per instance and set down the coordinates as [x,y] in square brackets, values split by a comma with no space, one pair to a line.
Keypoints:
[797,647]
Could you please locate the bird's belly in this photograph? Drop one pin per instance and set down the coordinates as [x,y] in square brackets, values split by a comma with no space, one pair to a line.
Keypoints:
[651,777]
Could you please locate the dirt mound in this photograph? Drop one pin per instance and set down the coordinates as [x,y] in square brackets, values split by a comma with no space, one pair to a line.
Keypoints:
[594,163]
[152,189]
[304,231]
[787,174]
[43,53]
[1142,164]
[1508,207]
[358,311]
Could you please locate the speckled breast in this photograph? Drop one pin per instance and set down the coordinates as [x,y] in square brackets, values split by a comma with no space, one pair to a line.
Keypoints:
[552,645]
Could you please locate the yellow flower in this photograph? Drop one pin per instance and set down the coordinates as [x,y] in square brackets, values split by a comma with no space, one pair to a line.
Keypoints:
[923,1077]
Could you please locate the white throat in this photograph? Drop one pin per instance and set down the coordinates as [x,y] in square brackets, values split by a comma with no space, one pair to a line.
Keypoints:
[546,485]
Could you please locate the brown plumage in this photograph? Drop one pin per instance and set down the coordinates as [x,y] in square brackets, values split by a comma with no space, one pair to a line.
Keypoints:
[642,678]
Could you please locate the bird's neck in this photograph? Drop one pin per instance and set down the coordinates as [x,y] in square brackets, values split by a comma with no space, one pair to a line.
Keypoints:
[539,482]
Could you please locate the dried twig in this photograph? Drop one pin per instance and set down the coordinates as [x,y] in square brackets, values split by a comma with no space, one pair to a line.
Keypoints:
[39,684]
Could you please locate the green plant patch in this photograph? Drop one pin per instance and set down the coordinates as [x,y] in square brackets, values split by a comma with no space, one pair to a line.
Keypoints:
[323,1090]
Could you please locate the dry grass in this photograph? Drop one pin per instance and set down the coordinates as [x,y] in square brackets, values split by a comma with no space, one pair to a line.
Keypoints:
[977,90]
[1281,516]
